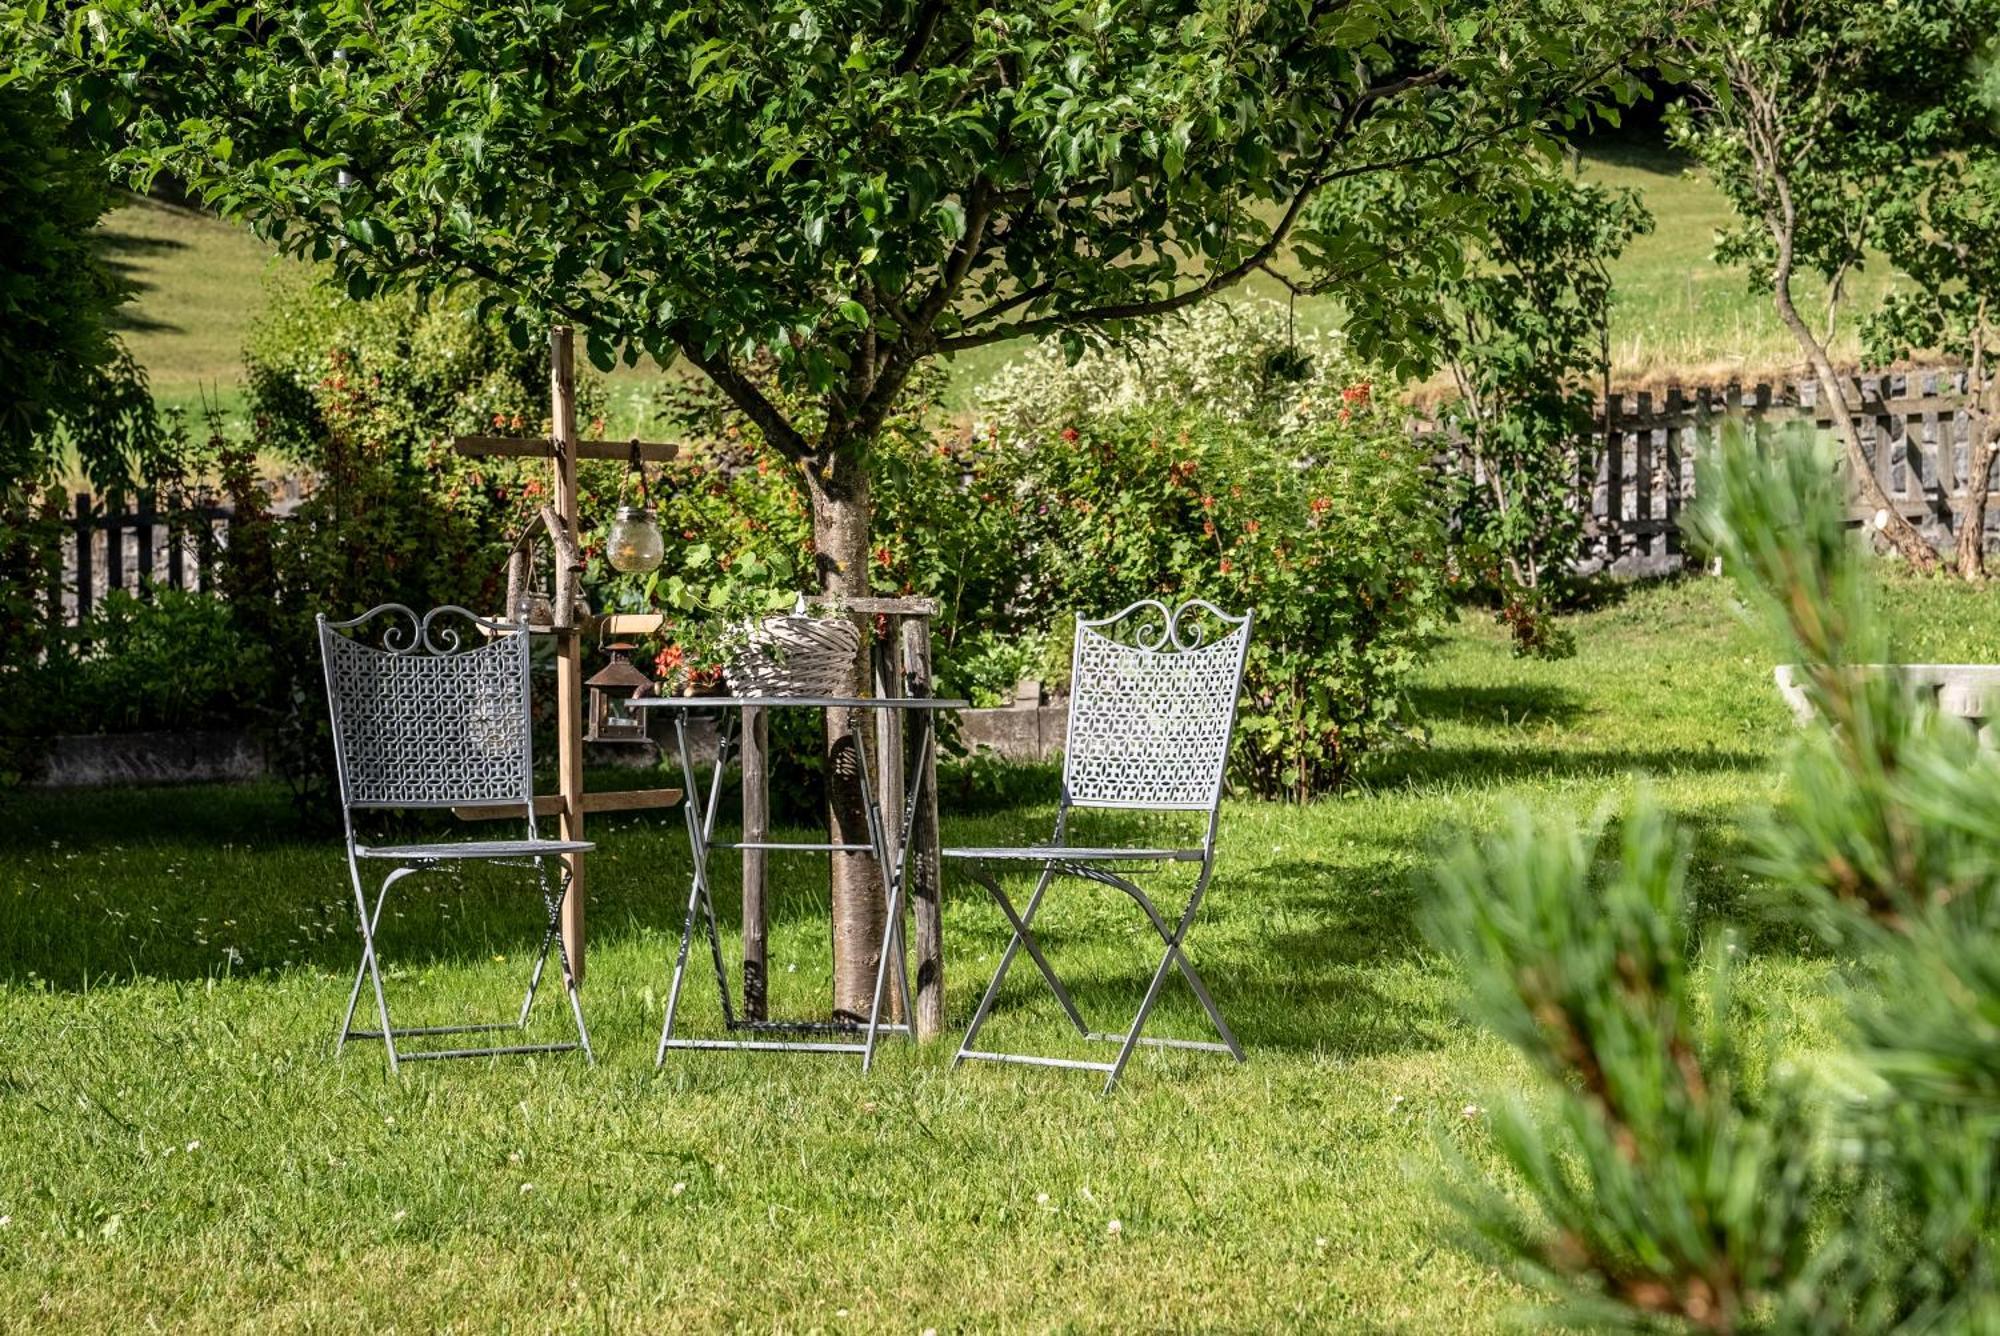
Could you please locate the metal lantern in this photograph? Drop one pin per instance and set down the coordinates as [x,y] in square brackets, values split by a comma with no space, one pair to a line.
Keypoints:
[633,544]
[612,688]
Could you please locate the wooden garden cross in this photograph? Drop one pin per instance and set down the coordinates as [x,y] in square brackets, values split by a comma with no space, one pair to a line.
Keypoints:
[559,521]
[901,663]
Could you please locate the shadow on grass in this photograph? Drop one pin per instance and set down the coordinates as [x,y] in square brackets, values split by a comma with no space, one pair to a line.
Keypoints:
[120,250]
[1512,706]
[1419,765]
[180,884]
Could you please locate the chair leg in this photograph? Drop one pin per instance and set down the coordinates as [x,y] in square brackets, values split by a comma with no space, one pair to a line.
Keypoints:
[568,975]
[369,967]
[1178,954]
[1145,1009]
[1033,949]
[1021,927]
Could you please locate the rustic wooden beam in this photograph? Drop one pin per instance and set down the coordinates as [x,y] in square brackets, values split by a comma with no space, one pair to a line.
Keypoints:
[561,522]
[551,804]
[619,624]
[895,607]
[531,447]
[755,763]
[926,894]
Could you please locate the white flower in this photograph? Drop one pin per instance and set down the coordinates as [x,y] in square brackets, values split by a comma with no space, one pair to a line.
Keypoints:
[398,1216]
[193,1146]
[1114,1228]
[679,1188]
[1472,1111]
[1041,1199]
[6,1220]
[526,1188]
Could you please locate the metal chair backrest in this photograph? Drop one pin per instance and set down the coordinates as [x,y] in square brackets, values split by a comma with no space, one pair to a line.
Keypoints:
[433,715]
[1152,706]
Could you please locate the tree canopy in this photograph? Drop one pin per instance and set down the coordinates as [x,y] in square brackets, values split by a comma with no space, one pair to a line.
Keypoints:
[845,188]
[70,382]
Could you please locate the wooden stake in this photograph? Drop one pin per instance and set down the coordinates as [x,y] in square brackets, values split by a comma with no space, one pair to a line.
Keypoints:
[569,640]
[926,884]
[756,826]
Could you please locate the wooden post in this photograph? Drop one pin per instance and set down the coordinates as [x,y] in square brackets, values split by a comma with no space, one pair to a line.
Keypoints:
[86,536]
[926,883]
[569,642]
[142,529]
[114,542]
[756,863]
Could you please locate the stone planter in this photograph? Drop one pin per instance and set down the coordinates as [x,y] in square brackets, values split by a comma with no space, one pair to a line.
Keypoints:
[1967,691]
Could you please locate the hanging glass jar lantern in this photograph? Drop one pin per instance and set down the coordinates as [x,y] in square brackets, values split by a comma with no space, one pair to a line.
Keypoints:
[633,544]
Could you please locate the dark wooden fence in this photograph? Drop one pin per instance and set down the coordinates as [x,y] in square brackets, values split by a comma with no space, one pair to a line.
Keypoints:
[120,542]
[1914,428]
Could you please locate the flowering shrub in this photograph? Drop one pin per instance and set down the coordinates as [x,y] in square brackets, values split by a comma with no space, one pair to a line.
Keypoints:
[1302,498]
[1236,361]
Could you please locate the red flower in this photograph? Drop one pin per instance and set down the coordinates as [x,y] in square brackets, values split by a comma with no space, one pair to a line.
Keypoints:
[1208,528]
[881,556]
[1225,566]
[1251,526]
[1356,393]
[516,423]
[1069,435]
[1208,503]
[668,659]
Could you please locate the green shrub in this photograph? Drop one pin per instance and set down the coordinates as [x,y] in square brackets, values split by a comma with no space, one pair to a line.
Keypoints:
[167,660]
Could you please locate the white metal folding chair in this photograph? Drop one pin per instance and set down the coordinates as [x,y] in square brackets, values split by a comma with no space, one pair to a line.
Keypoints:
[1151,710]
[432,716]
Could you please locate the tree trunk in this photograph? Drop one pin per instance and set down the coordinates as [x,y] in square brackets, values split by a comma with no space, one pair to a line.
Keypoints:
[1902,535]
[838,486]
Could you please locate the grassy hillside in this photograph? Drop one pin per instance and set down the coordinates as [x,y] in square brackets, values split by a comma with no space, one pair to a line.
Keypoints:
[1679,315]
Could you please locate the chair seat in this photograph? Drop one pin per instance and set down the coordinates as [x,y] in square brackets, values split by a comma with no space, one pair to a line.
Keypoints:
[417,853]
[1052,853]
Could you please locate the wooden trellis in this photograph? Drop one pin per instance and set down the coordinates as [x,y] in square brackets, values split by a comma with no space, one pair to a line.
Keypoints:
[557,523]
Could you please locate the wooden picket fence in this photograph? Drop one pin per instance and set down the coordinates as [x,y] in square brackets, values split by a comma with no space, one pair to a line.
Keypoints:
[121,542]
[1914,428]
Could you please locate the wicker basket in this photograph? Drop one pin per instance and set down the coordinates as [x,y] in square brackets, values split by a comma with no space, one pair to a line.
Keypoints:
[795,656]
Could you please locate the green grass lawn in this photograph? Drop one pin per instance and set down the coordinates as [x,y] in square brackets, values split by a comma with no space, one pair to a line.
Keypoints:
[1680,317]
[183,1149]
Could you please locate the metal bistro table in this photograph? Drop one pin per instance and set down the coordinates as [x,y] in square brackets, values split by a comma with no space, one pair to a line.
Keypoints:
[700,815]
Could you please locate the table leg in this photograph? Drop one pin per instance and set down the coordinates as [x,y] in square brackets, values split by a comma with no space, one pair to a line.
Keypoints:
[700,818]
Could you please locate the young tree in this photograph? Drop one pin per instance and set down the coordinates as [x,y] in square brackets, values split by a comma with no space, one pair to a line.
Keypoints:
[1941,227]
[845,188]
[1523,325]
[1679,1172]
[1828,123]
